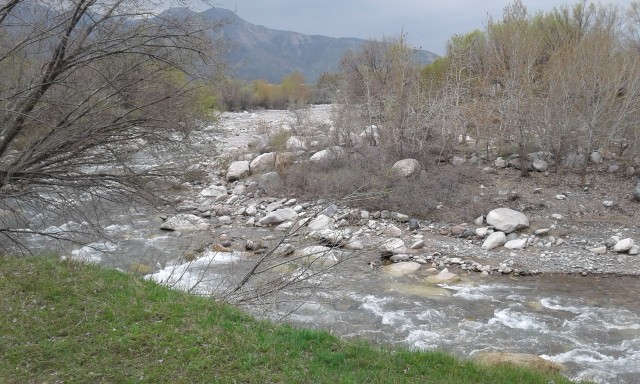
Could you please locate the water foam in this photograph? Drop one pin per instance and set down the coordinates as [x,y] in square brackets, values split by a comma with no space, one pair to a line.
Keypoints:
[194,276]
[517,320]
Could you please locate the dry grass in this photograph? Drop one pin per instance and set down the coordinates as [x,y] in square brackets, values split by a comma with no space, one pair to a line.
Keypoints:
[365,179]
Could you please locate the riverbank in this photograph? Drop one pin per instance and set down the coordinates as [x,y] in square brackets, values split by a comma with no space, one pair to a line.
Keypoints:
[73,322]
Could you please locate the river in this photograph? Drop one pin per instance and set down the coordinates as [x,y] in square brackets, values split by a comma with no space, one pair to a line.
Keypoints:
[589,324]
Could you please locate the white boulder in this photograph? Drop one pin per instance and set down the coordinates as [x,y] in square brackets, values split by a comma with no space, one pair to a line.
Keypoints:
[494,240]
[507,220]
[278,216]
[443,277]
[296,143]
[407,167]
[331,153]
[263,163]
[184,222]
[401,269]
[623,245]
[238,170]
[392,246]
[213,191]
[516,244]
[321,222]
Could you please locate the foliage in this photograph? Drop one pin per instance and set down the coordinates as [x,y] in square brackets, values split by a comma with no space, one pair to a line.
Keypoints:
[292,92]
[70,322]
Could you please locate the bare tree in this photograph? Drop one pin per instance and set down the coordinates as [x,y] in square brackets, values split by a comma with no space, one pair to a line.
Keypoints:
[86,86]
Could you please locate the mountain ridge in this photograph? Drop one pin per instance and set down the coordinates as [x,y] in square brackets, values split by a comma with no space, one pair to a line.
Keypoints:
[260,52]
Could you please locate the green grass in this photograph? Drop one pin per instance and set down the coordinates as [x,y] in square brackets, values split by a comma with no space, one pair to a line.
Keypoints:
[75,323]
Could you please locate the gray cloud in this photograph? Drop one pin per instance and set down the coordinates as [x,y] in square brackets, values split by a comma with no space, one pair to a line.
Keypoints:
[428,24]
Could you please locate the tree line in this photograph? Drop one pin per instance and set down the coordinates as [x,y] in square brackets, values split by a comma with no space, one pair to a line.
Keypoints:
[564,82]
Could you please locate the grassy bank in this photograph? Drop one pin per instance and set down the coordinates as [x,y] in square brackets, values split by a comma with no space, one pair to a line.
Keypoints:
[73,323]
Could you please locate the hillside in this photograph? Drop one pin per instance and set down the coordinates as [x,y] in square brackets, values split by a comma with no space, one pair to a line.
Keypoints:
[258,52]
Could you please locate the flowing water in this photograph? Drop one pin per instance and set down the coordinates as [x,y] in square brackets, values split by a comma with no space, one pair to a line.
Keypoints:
[589,324]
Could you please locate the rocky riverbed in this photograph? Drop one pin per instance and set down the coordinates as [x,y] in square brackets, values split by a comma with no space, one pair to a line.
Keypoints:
[571,228]
[499,281]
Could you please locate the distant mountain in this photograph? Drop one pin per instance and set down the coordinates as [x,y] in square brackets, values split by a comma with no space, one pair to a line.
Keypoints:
[259,52]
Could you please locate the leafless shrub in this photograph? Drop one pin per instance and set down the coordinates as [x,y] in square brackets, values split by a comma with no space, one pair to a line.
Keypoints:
[89,89]
[366,178]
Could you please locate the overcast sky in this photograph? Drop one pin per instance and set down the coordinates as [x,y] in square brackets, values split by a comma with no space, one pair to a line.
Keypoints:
[427,23]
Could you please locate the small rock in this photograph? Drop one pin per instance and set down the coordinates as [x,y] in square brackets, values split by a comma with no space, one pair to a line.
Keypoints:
[401,217]
[354,245]
[482,232]
[611,241]
[607,203]
[443,277]
[634,250]
[561,197]
[500,163]
[393,231]
[417,245]
[516,244]
[542,231]
[399,258]
[217,247]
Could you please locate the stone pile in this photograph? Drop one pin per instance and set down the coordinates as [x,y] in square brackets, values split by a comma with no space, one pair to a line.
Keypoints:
[617,245]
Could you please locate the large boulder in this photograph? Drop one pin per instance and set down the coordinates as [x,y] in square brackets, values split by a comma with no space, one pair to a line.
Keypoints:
[326,155]
[401,269]
[238,170]
[520,360]
[636,192]
[407,167]
[184,222]
[623,245]
[494,240]
[507,220]
[263,163]
[392,247]
[574,161]
[516,244]
[271,182]
[540,165]
[321,222]
[278,216]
